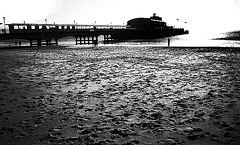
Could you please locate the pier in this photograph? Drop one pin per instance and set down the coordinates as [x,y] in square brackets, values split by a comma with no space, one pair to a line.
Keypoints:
[49,34]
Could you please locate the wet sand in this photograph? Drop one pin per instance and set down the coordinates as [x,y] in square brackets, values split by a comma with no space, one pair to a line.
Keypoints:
[120,95]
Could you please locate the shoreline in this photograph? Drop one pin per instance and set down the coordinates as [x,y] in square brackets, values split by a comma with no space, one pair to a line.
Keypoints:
[160,46]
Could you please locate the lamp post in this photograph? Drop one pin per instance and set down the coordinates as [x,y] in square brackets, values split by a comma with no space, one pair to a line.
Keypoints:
[4,29]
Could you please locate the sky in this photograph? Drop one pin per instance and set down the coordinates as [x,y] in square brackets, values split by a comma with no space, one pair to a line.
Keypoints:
[201,16]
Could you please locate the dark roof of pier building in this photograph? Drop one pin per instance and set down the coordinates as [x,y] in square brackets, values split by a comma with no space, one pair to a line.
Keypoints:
[144,23]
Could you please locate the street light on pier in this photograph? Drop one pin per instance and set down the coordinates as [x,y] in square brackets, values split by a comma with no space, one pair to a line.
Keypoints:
[4,29]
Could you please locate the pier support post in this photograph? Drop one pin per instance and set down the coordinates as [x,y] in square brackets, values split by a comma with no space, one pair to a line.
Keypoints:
[56,41]
[104,39]
[39,42]
[31,42]
[76,40]
[108,39]
[48,42]
[88,40]
[80,40]
[95,40]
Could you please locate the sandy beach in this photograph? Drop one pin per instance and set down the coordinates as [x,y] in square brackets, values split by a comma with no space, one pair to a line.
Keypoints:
[120,95]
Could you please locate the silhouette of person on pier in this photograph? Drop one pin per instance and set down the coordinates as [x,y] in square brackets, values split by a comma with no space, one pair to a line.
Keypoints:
[169,42]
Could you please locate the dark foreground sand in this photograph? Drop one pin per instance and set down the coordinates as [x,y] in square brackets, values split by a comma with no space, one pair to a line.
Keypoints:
[120,95]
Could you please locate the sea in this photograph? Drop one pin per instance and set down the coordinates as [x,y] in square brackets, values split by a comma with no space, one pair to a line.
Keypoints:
[188,40]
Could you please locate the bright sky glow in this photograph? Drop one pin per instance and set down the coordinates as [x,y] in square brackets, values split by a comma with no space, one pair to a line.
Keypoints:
[26,10]
[202,16]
